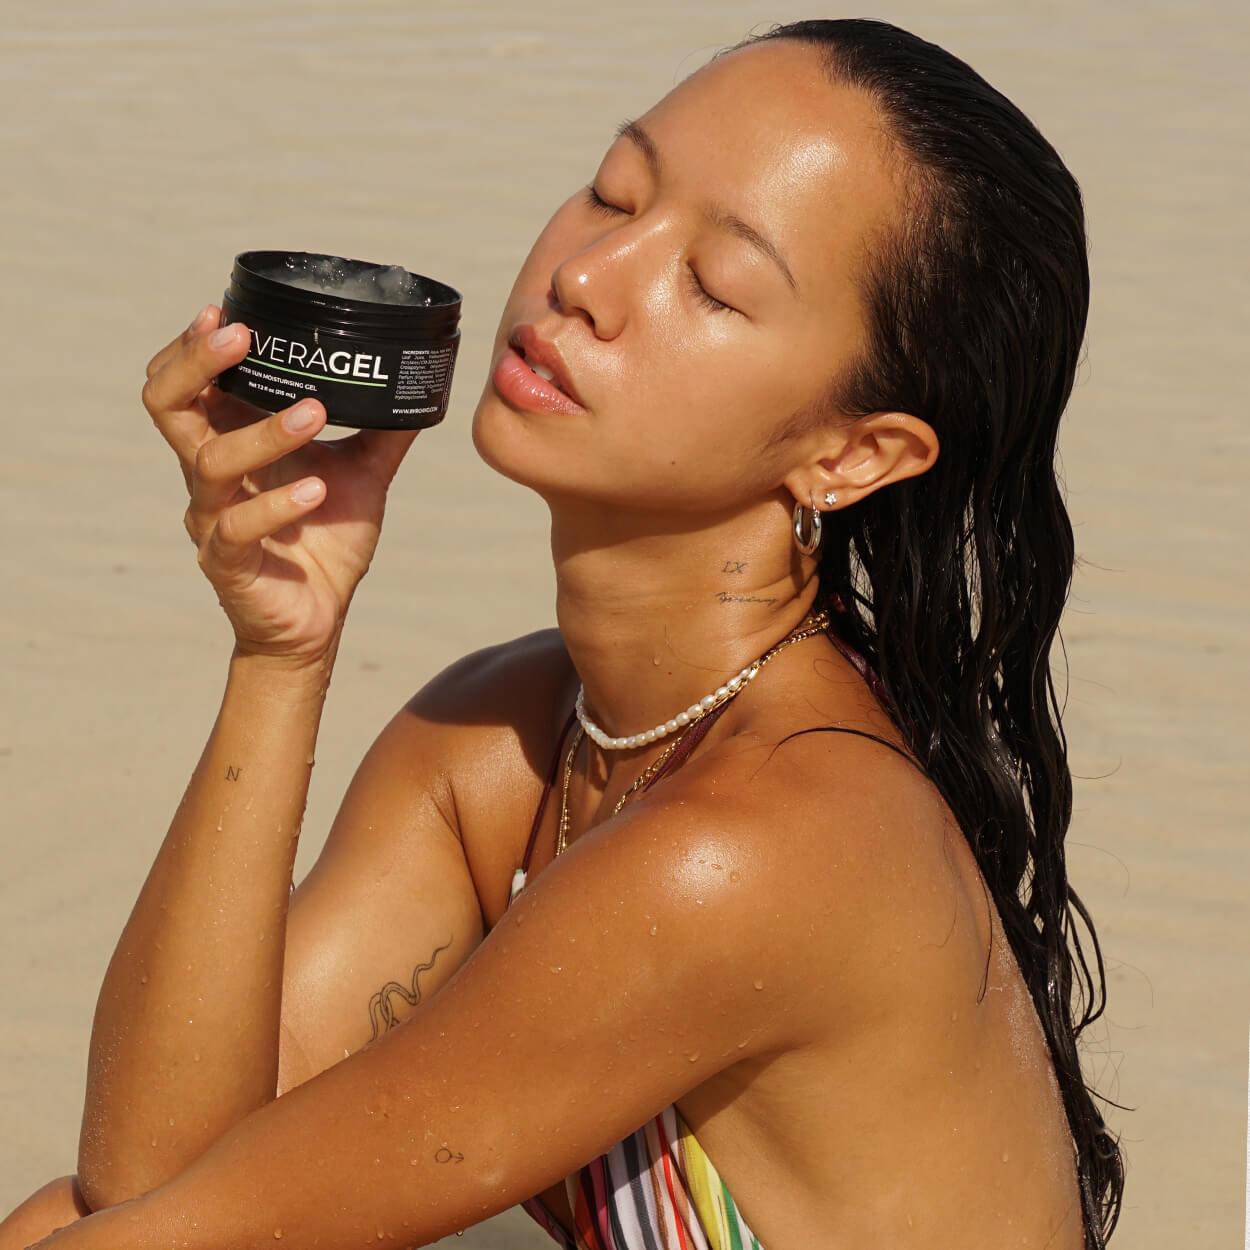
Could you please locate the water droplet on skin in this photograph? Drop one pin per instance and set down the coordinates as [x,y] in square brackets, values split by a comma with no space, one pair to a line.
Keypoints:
[1004,1156]
[694,1057]
[653,930]
[954,1015]
[153,1142]
[309,760]
[195,1056]
[733,876]
[557,968]
[143,980]
[277,1234]
[759,985]
[171,1124]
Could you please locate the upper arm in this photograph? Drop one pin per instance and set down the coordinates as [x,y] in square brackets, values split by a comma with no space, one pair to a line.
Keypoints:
[391,908]
[666,945]
[385,916]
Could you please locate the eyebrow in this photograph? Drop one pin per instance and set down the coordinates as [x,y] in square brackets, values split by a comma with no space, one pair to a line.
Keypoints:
[717,215]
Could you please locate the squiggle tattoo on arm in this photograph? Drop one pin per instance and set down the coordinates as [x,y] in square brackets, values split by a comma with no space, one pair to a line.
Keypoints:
[381,1009]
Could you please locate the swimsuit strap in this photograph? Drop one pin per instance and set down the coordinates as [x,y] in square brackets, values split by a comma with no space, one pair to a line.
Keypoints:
[694,735]
[552,773]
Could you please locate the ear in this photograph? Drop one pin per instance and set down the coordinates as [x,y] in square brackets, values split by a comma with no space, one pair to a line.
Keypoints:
[851,461]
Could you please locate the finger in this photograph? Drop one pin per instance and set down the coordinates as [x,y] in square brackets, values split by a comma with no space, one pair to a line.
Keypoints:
[170,395]
[206,319]
[228,412]
[382,451]
[221,463]
[233,544]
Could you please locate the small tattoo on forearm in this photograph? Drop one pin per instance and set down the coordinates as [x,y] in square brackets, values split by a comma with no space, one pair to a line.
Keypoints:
[735,566]
[726,596]
[233,773]
[443,1155]
[382,1015]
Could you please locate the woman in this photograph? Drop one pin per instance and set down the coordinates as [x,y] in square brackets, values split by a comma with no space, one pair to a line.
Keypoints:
[788,374]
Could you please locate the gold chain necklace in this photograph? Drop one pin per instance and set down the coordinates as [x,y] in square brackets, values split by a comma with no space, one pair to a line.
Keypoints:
[816,624]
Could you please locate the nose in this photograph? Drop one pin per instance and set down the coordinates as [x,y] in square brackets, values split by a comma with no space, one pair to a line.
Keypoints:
[596,283]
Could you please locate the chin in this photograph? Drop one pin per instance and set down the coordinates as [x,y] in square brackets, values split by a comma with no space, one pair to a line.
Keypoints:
[502,439]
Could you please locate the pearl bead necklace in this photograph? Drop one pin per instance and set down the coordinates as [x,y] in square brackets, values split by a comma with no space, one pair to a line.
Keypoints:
[696,711]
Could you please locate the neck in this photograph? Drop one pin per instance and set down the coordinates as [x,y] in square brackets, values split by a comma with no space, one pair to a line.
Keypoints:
[656,616]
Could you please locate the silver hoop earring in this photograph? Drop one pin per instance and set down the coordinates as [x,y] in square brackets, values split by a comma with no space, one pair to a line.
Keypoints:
[809,543]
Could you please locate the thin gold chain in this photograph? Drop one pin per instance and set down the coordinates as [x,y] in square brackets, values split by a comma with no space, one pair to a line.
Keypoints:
[562,833]
[816,624]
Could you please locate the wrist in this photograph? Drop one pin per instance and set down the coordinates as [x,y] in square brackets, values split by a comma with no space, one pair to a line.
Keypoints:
[301,677]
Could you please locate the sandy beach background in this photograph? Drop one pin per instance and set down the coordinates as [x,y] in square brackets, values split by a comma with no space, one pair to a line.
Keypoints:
[146,143]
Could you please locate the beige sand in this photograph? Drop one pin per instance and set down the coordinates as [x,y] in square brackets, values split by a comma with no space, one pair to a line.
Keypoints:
[147,143]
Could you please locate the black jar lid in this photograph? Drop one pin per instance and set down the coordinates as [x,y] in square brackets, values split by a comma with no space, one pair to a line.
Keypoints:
[257,280]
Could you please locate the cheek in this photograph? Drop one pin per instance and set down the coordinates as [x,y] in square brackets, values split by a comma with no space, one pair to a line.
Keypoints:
[736,390]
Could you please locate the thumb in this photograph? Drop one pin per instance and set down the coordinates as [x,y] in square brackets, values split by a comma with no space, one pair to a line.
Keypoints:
[382,451]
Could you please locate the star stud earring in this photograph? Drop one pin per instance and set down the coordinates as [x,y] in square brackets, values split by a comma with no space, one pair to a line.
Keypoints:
[831,499]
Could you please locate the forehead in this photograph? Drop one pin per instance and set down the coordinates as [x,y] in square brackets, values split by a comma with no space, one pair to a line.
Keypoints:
[766,133]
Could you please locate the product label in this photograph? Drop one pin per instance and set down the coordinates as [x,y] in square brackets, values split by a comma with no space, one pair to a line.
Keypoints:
[313,361]
[423,379]
[362,382]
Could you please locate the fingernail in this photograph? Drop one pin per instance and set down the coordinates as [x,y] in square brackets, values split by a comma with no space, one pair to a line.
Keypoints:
[200,318]
[299,418]
[223,337]
[307,490]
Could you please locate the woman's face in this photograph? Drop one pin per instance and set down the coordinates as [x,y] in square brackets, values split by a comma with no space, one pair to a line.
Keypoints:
[707,299]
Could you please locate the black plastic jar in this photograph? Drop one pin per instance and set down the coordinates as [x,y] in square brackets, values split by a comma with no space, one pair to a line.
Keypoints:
[374,343]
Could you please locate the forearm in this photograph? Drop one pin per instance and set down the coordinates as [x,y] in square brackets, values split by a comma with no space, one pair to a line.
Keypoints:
[185,1039]
[344,1161]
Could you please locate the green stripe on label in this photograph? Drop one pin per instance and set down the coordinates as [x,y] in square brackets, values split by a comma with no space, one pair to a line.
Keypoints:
[321,377]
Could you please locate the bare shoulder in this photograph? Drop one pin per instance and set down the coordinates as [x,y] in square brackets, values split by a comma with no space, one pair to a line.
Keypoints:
[476,742]
[509,683]
[824,852]
[503,698]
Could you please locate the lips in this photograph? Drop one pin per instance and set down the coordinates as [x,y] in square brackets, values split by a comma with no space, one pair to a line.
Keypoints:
[532,374]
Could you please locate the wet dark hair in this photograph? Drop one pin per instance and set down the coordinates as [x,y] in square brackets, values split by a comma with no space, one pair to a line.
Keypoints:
[953,582]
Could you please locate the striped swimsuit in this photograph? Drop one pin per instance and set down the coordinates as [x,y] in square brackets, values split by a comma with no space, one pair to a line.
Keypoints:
[656,1190]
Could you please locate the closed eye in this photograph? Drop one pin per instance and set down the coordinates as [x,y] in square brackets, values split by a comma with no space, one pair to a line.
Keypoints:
[704,296]
[599,205]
